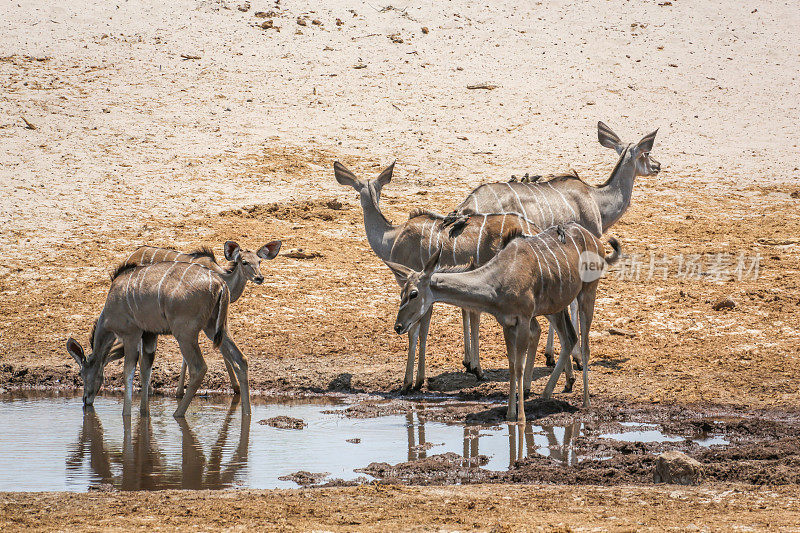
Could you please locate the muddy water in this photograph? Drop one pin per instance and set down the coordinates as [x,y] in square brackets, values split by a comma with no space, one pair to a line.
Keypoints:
[48,442]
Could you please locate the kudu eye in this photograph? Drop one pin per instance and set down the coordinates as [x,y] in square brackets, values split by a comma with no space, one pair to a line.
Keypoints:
[413,294]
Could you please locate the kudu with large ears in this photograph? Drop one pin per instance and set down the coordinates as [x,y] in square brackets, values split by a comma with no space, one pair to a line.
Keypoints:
[177,298]
[532,276]
[411,245]
[245,267]
[565,199]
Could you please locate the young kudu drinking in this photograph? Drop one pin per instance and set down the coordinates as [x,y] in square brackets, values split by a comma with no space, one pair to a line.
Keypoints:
[531,276]
[244,267]
[477,239]
[175,298]
[568,198]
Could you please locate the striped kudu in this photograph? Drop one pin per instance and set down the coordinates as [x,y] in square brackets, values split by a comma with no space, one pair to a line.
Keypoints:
[531,276]
[168,298]
[413,242]
[244,267]
[568,198]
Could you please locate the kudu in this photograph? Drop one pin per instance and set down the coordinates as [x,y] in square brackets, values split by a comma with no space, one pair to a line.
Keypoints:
[566,199]
[244,267]
[175,298]
[412,243]
[531,276]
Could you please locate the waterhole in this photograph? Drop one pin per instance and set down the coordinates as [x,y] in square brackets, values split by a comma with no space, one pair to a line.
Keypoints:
[48,442]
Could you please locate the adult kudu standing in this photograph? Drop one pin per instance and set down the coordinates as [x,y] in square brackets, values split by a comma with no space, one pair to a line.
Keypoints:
[413,242]
[568,198]
[531,276]
[244,266]
[175,298]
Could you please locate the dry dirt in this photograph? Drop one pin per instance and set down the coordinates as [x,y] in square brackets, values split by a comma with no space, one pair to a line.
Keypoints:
[109,139]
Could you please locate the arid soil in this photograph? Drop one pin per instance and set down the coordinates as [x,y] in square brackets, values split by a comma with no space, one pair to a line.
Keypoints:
[186,123]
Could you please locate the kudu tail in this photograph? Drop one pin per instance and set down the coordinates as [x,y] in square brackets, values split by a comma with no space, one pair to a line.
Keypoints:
[220,316]
[616,254]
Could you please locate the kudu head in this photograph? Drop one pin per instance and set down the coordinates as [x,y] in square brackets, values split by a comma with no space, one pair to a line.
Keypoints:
[370,190]
[639,153]
[416,297]
[250,262]
[91,369]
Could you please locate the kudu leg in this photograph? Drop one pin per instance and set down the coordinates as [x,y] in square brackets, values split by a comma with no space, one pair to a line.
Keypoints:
[548,349]
[145,369]
[516,338]
[533,344]
[474,337]
[573,314]
[181,381]
[190,350]
[467,341]
[586,312]
[131,345]
[413,337]
[424,326]
[240,365]
[568,338]
[231,372]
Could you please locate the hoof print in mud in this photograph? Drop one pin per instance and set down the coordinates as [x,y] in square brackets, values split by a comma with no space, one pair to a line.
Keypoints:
[678,468]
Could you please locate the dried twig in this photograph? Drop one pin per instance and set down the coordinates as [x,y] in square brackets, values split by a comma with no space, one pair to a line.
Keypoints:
[189,56]
[28,124]
[487,86]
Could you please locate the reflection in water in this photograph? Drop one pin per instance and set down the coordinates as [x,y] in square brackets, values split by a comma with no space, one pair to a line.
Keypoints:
[553,441]
[140,465]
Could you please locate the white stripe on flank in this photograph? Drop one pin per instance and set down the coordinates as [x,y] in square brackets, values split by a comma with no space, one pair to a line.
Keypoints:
[497,199]
[210,282]
[551,253]
[477,209]
[539,263]
[524,212]
[430,240]
[422,238]
[542,221]
[128,293]
[455,243]
[478,247]
[503,225]
[144,257]
[129,257]
[158,290]
[574,214]
[180,281]
[547,203]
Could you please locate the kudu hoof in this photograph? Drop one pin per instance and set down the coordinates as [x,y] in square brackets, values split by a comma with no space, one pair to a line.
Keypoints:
[549,360]
[417,386]
[568,385]
[578,364]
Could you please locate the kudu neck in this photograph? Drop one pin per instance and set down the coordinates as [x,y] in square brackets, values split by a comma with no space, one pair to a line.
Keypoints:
[614,196]
[471,290]
[381,234]
[235,280]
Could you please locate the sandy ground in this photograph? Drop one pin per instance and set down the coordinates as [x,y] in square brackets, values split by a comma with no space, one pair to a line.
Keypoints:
[131,143]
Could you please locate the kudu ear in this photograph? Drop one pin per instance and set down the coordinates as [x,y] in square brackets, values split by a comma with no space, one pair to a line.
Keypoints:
[232,250]
[608,138]
[401,272]
[269,250]
[76,351]
[385,176]
[345,177]
[646,144]
[430,265]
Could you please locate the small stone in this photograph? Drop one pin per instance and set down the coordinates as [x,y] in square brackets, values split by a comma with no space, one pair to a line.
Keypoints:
[305,478]
[299,253]
[301,21]
[622,332]
[794,194]
[355,440]
[261,14]
[316,22]
[425,30]
[244,8]
[723,303]
[283,422]
[267,24]
[339,22]
[677,467]
[395,38]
